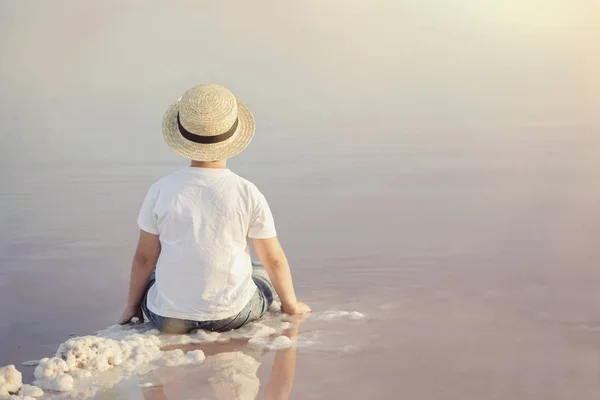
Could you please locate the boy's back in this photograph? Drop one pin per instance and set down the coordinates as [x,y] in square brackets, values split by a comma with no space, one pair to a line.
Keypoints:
[204,217]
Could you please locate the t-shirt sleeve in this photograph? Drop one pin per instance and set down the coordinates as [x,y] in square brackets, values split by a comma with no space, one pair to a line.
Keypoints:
[147,218]
[262,224]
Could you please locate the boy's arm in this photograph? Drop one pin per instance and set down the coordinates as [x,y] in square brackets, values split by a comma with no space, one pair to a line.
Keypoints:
[144,262]
[273,258]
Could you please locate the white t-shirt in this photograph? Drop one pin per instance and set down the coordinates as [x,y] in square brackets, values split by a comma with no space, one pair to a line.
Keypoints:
[204,217]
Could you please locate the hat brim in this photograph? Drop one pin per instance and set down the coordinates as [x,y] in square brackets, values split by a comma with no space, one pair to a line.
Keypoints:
[213,151]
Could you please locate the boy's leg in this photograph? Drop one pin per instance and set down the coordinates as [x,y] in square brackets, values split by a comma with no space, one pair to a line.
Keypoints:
[147,313]
[262,281]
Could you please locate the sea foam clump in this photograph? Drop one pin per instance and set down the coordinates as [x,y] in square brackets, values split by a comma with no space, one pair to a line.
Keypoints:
[60,383]
[281,342]
[176,358]
[81,360]
[255,330]
[83,357]
[11,381]
[11,385]
[191,338]
[49,368]
[51,374]
[30,391]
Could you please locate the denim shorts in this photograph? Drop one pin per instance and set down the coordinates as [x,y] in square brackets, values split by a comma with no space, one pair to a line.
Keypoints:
[256,307]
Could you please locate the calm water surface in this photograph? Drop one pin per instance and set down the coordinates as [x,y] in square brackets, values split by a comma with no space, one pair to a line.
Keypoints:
[474,262]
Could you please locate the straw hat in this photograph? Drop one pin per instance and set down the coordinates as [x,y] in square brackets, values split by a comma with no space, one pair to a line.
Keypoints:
[208,124]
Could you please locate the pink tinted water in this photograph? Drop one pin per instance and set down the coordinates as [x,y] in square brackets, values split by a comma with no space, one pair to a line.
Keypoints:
[475,262]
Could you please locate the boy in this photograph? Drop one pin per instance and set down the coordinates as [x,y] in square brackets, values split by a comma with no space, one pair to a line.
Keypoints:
[195,225]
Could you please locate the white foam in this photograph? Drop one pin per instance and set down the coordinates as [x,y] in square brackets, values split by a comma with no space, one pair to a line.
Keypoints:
[81,374]
[195,356]
[176,358]
[120,332]
[255,330]
[31,391]
[50,368]
[192,338]
[333,315]
[31,363]
[281,342]
[84,357]
[285,325]
[324,341]
[84,366]
[275,307]
[60,383]
[11,380]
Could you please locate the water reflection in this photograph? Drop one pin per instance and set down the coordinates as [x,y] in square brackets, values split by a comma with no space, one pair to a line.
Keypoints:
[230,371]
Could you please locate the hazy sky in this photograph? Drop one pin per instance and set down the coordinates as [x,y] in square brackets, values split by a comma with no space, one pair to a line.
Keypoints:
[93,78]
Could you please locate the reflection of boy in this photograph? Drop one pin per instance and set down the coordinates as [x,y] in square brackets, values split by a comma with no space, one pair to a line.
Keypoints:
[234,375]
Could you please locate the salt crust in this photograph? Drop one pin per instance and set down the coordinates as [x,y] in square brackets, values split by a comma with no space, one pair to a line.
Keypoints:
[86,365]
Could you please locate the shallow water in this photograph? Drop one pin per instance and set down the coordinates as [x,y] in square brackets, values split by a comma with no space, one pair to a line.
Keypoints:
[476,267]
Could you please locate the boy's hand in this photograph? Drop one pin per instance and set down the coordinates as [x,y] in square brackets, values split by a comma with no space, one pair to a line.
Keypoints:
[130,313]
[297,309]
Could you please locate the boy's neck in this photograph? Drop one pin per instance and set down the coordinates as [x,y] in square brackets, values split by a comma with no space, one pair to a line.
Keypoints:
[209,164]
